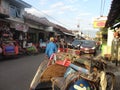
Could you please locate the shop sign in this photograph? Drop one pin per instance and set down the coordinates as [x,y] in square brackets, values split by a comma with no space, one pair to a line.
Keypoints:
[49,29]
[19,27]
[99,22]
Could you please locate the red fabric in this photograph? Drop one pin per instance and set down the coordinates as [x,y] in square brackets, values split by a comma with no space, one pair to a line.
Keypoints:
[51,57]
[16,50]
[64,63]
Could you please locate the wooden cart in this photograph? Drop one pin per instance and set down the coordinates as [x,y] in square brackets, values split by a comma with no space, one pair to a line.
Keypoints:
[83,70]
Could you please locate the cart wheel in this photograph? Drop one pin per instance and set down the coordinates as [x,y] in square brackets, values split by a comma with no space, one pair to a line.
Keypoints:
[110,80]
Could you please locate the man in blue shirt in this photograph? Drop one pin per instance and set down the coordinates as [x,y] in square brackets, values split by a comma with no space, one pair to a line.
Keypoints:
[51,48]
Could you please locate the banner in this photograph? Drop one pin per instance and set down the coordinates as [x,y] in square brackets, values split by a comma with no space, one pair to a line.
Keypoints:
[99,22]
[19,26]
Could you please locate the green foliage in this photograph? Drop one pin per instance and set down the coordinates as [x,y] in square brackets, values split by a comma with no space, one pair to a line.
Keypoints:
[102,35]
[104,30]
[117,20]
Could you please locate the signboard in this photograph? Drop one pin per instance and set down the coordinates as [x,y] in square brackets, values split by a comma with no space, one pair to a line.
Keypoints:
[49,29]
[99,22]
[19,26]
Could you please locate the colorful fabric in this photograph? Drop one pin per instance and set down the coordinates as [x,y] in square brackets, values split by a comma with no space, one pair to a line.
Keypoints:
[9,48]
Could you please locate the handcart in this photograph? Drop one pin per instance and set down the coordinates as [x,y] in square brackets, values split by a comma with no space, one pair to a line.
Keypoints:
[63,72]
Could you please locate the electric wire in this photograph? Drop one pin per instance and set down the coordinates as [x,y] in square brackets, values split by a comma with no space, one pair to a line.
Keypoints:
[102,7]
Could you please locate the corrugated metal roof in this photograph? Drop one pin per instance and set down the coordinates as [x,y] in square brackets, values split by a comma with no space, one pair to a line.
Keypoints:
[64,30]
[46,22]
[20,3]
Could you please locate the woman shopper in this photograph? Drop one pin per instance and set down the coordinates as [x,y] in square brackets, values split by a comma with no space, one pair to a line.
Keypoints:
[51,48]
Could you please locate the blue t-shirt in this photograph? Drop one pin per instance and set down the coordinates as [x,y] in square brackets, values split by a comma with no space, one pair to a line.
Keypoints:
[50,49]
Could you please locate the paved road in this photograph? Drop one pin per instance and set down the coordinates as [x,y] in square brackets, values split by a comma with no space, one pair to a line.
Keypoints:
[17,74]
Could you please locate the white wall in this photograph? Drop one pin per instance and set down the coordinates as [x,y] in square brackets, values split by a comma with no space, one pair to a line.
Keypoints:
[110,37]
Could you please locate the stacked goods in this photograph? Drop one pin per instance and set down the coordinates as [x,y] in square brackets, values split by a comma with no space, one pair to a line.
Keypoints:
[74,51]
[67,50]
[8,44]
[66,56]
[30,49]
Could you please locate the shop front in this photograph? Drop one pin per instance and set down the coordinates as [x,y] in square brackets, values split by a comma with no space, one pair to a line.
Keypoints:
[4,25]
[33,35]
[7,43]
[19,30]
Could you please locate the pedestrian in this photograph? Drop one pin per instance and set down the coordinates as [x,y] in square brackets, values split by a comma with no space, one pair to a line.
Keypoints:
[62,43]
[51,48]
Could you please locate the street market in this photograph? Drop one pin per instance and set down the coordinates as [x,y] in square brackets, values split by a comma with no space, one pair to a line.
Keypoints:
[70,58]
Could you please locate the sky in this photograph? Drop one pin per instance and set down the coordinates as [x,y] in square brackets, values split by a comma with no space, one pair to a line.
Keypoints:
[70,13]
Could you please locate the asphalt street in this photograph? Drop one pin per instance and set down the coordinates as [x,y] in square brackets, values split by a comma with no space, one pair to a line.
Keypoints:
[17,73]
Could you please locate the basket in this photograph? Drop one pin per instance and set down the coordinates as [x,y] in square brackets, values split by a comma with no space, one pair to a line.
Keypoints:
[54,70]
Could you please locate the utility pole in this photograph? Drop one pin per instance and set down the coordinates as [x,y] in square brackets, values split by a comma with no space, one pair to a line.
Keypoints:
[78,26]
